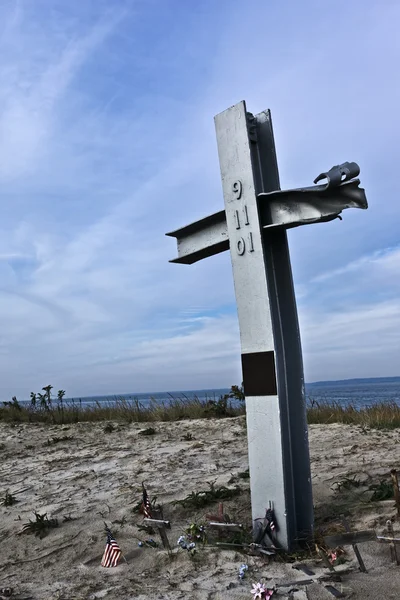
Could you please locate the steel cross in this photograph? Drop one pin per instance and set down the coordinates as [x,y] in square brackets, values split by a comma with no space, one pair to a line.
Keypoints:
[253,225]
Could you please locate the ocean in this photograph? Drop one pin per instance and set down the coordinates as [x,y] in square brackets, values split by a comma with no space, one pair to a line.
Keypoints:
[358,392]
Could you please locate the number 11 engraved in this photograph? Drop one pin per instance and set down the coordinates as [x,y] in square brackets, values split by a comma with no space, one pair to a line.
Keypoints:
[237,219]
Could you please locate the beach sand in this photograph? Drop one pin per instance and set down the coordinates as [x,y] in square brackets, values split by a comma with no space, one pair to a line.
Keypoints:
[92,476]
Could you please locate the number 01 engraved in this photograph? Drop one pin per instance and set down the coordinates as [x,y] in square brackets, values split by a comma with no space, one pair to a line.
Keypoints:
[241,244]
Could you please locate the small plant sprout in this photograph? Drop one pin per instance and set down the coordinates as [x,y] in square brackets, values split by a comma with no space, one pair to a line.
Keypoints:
[148,431]
[8,500]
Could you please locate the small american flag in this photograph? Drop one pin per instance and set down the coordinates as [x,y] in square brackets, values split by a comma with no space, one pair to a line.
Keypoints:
[146,504]
[270,517]
[112,551]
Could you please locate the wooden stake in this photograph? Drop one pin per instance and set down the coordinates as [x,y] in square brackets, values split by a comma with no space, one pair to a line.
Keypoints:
[355,547]
[348,539]
[396,491]
[161,525]
[393,551]
[384,538]
[325,559]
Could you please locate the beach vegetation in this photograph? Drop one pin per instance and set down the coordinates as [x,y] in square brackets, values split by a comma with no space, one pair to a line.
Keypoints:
[44,408]
[382,491]
[40,526]
[56,440]
[8,499]
[205,497]
[109,428]
[381,415]
[148,431]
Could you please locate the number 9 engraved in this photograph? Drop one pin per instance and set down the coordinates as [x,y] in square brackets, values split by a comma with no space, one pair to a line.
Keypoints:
[237,189]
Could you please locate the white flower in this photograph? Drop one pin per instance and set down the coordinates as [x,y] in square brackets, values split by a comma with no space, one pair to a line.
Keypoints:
[258,590]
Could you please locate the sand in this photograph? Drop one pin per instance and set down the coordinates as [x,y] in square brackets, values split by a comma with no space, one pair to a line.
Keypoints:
[92,476]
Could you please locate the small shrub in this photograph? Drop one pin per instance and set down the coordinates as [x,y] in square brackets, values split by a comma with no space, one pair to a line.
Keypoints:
[218,408]
[200,499]
[346,483]
[381,491]
[68,518]
[40,526]
[148,431]
[13,404]
[244,474]
[109,428]
[8,499]
[237,393]
[57,440]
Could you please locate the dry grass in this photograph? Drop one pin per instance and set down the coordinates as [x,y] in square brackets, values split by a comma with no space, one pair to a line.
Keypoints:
[175,409]
[382,415]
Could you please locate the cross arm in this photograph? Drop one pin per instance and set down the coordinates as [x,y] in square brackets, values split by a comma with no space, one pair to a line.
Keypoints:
[281,208]
[315,204]
[201,239]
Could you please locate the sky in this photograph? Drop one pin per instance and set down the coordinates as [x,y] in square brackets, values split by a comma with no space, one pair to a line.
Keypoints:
[107,142]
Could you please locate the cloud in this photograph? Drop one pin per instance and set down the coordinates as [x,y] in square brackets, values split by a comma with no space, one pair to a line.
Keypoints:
[350,318]
[386,260]
[210,352]
[107,141]
[33,88]
[354,342]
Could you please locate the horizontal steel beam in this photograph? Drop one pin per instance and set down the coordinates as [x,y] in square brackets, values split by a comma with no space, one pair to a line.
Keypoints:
[315,204]
[283,208]
[201,239]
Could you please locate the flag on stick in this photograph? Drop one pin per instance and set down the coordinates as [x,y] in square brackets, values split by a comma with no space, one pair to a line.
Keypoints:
[112,551]
[147,511]
[270,518]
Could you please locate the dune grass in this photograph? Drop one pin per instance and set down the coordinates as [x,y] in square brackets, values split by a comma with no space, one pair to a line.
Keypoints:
[44,409]
[121,410]
[381,415]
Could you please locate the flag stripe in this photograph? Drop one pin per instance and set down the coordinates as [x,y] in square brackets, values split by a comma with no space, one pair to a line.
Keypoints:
[146,504]
[112,552]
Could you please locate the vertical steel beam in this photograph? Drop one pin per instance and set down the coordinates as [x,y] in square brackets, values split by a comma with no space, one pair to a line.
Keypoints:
[270,340]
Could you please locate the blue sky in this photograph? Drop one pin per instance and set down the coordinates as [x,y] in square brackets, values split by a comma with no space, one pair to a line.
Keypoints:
[107,142]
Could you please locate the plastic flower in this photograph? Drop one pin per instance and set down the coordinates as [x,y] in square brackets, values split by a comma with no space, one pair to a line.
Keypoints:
[242,571]
[182,542]
[258,590]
